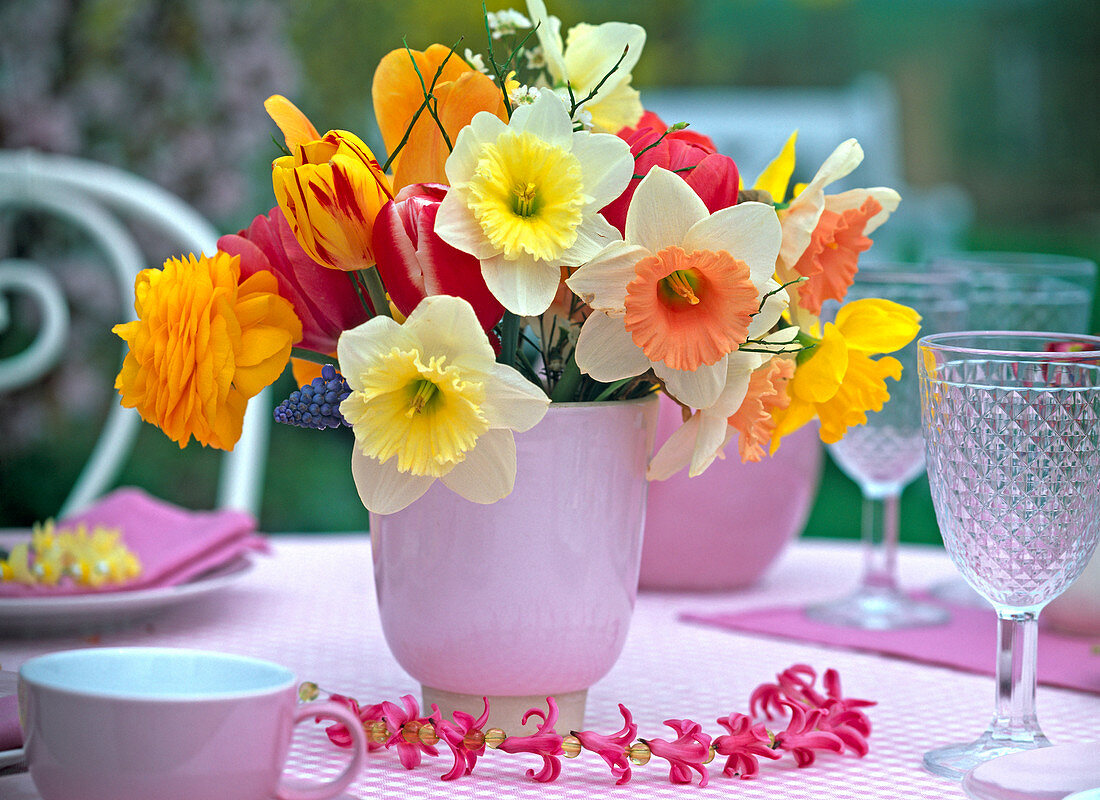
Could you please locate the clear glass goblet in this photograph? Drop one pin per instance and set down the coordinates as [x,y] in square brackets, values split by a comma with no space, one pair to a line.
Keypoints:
[886,454]
[1012,429]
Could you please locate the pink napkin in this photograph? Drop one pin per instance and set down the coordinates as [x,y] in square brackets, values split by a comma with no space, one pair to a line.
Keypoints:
[968,642]
[173,544]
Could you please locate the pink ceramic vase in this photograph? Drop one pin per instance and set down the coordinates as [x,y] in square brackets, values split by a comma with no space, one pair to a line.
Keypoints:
[724,528]
[530,596]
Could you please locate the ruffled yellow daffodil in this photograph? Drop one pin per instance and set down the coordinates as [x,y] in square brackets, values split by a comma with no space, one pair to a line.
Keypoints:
[839,382]
[681,294]
[525,198]
[590,53]
[429,401]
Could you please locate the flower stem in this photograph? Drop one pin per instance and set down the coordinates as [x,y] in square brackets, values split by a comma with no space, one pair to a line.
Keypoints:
[376,291]
[311,355]
[509,339]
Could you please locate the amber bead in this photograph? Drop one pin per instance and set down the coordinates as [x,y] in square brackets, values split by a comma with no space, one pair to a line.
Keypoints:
[410,732]
[474,740]
[638,753]
[710,756]
[377,731]
[308,691]
[571,746]
[494,737]
[427,735]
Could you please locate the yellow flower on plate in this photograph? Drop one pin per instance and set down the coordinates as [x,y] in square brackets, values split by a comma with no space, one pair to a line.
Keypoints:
[839,382]
[329,188]
[429,401]
[525,198]
[588,57]
[204,342]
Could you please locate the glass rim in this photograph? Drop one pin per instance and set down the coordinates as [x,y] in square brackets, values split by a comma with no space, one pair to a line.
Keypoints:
[942,343]
[885,272]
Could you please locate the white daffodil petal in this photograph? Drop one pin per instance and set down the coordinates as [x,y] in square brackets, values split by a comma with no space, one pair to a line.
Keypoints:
[382,488]
[675,453]
[358,348]
[547,118]
[854,198]
[709,442]
[511,400]
[662,211]
[698,388]
[525,286]
[615,110]
[606,164]
[602,281]
[447,326]
[593,235]
[606,351]
[593,51]
[549,36]
[773,308]
[739,368]
[462,161]
[489,471]
[456,225]
[748,231]
[846,157]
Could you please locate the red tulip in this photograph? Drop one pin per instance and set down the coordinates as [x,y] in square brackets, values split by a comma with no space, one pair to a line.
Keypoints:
[691,155]
[415,263]
[324,299]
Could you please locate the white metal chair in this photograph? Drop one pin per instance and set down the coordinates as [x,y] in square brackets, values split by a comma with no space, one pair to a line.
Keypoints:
[100,200]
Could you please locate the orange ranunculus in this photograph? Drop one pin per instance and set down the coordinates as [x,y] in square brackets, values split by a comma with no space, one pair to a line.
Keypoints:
[461,91]
[204,342]
[329,189]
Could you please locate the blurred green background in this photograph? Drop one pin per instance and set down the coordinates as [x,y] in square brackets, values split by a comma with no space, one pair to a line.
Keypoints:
[995,97]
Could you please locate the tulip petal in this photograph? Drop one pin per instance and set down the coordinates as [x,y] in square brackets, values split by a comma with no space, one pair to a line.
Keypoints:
[295,126]
[606,350]
[382,488]
[698,388]
[663,210]
[750,232]
[489,471]
[602,281]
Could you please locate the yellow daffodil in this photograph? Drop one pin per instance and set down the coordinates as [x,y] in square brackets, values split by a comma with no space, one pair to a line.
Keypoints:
[589,55]
[839,382]
[204,343]
[429,401]
[823,234]
[525,198]
[330,189]
[681,293]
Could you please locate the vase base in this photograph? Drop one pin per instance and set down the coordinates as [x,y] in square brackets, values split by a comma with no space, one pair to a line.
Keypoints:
[505,712]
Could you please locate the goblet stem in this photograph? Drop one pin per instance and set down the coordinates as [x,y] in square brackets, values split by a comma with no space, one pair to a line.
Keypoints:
[880,542]
[1014,716]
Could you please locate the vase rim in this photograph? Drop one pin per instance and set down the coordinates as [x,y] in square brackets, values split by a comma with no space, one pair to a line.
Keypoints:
[652,396]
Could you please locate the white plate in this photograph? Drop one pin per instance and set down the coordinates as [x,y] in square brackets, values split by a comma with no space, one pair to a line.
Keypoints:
[1047,773]
[86,612]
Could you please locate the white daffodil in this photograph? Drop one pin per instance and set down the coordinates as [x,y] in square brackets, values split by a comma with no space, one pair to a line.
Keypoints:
[682,292]
[429,401]
[525,198]
[588,57]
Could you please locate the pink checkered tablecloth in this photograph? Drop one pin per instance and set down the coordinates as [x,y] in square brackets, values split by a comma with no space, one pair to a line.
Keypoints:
[311,607]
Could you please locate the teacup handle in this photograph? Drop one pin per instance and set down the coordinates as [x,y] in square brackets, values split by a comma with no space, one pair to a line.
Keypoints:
[338,713]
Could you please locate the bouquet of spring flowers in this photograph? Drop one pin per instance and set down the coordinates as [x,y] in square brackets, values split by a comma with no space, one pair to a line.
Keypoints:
[533,236]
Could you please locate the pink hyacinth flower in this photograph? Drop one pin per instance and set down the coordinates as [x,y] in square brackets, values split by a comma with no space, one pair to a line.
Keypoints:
[851,726]
[454,734]
[545,742]
[339,735]
[802,738]
[743,744]
[689,752]
[611,747]
[396,717]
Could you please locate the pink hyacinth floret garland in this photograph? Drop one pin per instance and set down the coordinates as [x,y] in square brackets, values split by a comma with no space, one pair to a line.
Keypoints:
[817,720]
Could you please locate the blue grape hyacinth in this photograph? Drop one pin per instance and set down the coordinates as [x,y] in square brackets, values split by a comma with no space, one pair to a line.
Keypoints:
[317,404]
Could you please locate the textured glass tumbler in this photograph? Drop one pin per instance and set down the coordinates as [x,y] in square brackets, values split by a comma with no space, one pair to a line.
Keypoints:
[887,453]
[1012,429]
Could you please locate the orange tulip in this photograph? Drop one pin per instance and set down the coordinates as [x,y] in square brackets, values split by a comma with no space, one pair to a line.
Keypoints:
[461,92]
[330,190]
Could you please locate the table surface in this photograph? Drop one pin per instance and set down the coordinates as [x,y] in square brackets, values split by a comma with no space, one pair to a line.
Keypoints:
[310,606]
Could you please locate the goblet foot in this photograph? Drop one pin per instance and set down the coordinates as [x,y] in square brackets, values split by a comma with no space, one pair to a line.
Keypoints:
[878,609]
[954,761]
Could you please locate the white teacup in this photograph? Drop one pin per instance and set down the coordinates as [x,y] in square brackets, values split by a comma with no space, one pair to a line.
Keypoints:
[165,723]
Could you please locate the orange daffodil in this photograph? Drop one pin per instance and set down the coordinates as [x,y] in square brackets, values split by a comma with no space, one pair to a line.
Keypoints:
[681,293]
[823,235]
[524,199]
[588,58]
[429,401]
[330,189]
[840,382]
